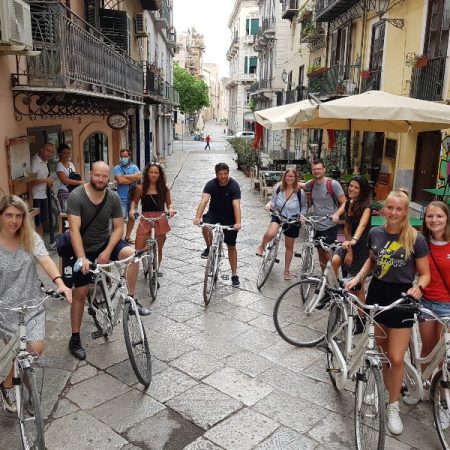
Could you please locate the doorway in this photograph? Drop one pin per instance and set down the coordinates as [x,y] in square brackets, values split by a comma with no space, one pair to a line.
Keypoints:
[95,148]
[426,165]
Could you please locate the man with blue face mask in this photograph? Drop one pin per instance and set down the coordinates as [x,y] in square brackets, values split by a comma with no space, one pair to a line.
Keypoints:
[127,175]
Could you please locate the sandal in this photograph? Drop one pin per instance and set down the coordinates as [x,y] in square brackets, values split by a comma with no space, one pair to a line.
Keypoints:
[129,241]
[287,275]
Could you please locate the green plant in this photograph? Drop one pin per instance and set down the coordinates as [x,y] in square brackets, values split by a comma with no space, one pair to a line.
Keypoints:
[313,67]
[247,157]
[252,105]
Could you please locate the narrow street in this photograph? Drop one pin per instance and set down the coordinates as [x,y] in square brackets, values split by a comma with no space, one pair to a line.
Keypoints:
[223,378]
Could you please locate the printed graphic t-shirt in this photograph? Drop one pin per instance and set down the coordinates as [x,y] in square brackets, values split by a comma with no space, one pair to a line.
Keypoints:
[390,263]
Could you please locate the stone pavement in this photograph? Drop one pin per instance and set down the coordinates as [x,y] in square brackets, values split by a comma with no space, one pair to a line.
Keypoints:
[222,377]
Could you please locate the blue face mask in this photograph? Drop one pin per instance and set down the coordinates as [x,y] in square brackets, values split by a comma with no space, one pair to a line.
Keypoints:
[124,161]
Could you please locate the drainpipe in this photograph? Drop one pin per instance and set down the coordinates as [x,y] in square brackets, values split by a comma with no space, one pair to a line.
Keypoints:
[361,48]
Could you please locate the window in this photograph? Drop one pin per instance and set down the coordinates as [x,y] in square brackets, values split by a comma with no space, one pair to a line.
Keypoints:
[377,46]
[438,24]
[251,64]
[251,26]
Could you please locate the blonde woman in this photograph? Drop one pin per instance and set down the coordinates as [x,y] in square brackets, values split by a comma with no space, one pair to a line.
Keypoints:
[20,249]
[397,254]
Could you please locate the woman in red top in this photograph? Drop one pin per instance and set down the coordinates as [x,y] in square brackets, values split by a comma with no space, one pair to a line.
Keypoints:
[436,296]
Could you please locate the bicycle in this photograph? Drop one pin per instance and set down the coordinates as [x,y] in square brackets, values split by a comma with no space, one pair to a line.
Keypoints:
[269,256]
[214,261]
[15,351]
[150,261]
[361,363]
[299,313]
[108,297]
[438,360]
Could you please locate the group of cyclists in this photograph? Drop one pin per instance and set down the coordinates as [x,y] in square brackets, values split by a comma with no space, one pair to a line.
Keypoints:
[399,258]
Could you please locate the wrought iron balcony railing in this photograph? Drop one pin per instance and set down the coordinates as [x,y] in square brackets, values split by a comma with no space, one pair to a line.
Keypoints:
[162,16]
[371,80]
[335,80]
[268,25]
[328,10]
[260,85]
[289,9]
[75,56]
[427,82]
[295,95]
[151,5]
[158,90]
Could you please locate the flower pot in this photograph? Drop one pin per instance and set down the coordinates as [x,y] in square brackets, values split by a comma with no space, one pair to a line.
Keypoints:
[421,62]
[365,74]
[317,72]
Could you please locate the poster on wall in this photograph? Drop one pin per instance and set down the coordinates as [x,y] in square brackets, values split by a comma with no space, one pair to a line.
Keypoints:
[20,160]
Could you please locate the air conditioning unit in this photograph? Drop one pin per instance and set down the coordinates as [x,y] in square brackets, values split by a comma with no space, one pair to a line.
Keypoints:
[141,25]
[250,39]
[15,24]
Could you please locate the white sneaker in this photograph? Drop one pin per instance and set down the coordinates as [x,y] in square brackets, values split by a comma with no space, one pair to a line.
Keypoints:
[395,424]
[410,400]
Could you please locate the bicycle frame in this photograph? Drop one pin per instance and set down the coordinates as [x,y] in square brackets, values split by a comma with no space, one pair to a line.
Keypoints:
[433,360]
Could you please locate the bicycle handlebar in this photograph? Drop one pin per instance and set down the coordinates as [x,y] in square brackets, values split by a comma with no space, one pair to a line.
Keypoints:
[94,266]
[216,225]
[153,219]
[283,219]
[49,293]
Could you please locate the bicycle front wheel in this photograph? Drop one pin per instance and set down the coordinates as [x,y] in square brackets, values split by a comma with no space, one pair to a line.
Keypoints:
[30,414]
[293,323]
[268,261]
[101,314]
[370,410]
[137,345]
[439,395]
[152,279]
[211,273]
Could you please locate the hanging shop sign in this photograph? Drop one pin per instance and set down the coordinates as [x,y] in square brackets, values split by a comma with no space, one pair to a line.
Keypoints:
[117,121]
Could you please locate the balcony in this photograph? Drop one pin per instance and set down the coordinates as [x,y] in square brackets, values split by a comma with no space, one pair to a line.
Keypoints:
[172,38]
[313,36]
[338,80]
[234,47]
[427,82]
[295,95]
[268,27]
[156,90]
[371,79]
[78,65]
[328,10]
[237,78]
[151,5]
[289,9]
[263,85]
[260,40]
[162,17]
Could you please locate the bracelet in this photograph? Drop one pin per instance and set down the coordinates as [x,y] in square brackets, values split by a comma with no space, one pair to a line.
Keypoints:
[54,279]
[356,239]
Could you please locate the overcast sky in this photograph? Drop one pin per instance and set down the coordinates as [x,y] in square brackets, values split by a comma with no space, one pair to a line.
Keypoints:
[210,18]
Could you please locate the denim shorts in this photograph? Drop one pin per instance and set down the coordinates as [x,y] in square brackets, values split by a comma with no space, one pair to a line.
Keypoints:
[441,309]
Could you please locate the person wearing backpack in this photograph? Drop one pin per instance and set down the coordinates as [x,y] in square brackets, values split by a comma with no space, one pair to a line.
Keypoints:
[289,200]
[328,200]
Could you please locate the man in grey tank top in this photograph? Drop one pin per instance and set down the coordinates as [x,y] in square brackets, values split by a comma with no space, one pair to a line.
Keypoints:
[101,241]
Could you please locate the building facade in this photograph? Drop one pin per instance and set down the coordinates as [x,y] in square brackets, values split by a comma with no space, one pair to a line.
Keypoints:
[244,24]
[96,78]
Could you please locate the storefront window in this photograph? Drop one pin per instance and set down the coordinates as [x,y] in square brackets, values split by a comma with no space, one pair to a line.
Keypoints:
[95,148]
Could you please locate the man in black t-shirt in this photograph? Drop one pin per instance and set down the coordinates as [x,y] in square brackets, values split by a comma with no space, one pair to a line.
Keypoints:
[224,197]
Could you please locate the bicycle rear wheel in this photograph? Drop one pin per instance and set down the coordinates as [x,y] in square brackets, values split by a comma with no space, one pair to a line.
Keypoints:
[211,269]
[439,393]
[137,345]
[336,319]
[291,320]
[152,279]
[369,409]
[31,425]
[268,261]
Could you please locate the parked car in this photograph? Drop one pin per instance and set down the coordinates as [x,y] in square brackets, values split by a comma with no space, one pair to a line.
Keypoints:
[246,135]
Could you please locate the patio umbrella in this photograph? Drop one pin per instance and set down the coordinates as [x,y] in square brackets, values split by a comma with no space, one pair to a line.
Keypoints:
[276,118]
[370,111]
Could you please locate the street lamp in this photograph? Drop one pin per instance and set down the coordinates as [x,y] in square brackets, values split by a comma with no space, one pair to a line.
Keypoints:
[382,7]
[284,75]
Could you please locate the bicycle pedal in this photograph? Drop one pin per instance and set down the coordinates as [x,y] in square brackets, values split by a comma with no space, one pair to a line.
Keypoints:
[330,370]
[225,277]
[91,311]
[298,255]
[96,334]
[277,260]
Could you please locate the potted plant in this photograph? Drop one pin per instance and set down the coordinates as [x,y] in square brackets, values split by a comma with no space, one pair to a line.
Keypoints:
[315,70]
[421,61]
[365,74]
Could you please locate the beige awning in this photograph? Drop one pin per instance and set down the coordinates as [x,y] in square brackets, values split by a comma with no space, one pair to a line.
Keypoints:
[370,111]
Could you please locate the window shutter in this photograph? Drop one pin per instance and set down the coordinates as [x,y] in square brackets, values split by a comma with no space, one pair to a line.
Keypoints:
[114,25]
[333,47]
[246,64]
[91,12]
[255,26]
[247,26]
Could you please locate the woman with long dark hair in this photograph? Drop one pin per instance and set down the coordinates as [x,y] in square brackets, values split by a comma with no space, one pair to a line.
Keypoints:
[154,195]
[354,252]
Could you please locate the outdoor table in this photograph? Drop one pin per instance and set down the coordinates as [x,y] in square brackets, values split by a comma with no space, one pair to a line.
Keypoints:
[381,220]
[438,193]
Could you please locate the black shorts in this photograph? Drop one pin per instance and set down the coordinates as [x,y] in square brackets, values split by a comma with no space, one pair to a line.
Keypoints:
[383,294]
[329,235]
[80,279]
[42,217]
[230,236]
[289,229]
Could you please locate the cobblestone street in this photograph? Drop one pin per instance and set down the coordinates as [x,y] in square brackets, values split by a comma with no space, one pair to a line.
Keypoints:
[222,377]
